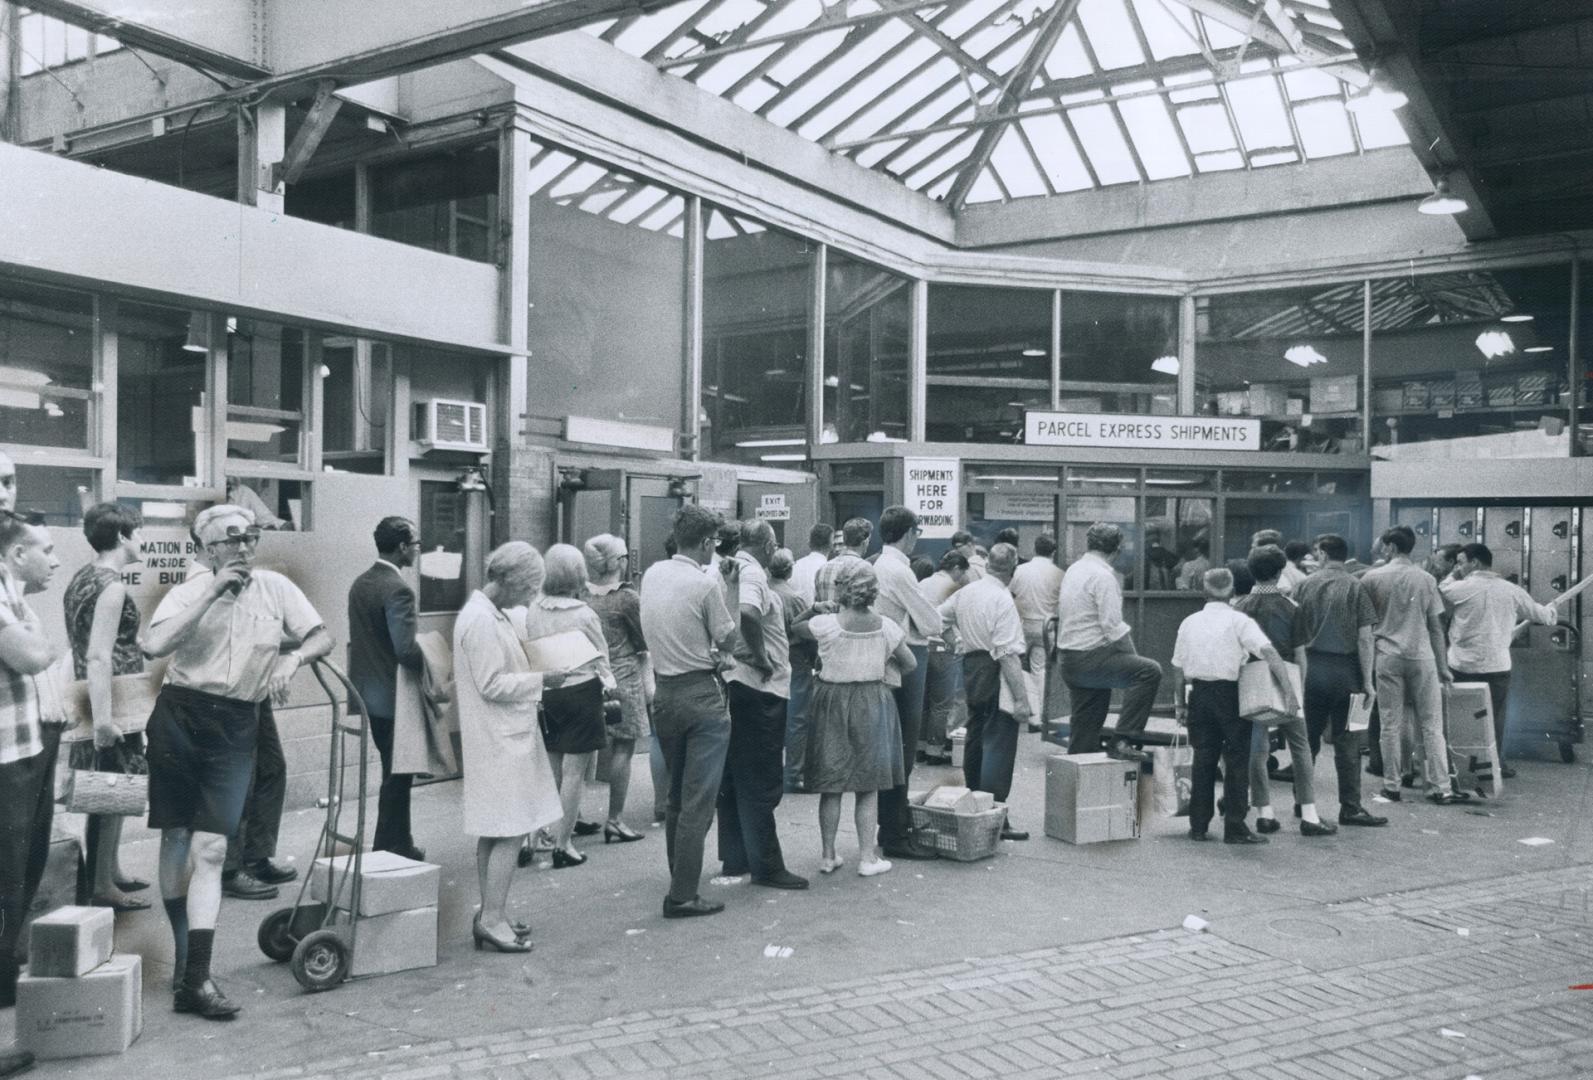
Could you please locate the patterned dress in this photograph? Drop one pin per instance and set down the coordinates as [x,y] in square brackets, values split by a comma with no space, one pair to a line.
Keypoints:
[620,609]
[854,738]
[82,594]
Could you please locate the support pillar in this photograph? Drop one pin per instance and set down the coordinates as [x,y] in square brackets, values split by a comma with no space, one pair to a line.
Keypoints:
[262,145]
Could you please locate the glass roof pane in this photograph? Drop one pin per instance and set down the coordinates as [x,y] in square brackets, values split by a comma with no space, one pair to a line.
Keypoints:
[1379,128]
[1258,108]
[1054,147]
[755,94]
[1103,143]
[1207,92]
[989,39]
[1155,138]
[1015,167]
[1305,83]
[1220,36]
[725,71]
[869,156]
[920,151]
[1207,128]
[904,97]
[649,30]
[1170,29]
[1069,60]
[1275,157]
[720,22]
[547,167]
[646,198]
[938,164]
[869,89]
[960,19]
[577,180]
[806,56]
[985,189]
[1227,159]
[951,103]
[1110,33]
[1324,128]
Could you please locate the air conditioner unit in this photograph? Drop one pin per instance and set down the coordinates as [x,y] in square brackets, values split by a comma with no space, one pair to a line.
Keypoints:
[451,425]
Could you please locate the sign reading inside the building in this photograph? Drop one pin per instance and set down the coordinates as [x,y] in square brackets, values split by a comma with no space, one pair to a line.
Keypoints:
[930,491]
[1147,432]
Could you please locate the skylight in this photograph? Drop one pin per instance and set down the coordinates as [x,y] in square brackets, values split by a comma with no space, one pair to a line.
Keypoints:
[991,100]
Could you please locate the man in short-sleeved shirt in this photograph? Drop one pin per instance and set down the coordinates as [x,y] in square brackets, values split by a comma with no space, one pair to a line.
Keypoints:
[759,687]
[806,569]
[1409,644]
[225,630]
[688,629]
[1035,586]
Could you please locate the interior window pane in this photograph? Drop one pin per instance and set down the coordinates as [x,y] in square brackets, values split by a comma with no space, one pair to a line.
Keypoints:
[756,284]
[989,360]
[355,395]
[265,391]
[277,505]
[1177,543]
[1119,353]
[443,509]
[866,316]
[160,425]
[46,366]
[445,202]
[1085,510]
[61,495]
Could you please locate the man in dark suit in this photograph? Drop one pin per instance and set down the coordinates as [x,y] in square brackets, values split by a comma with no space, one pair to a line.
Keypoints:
[381,633]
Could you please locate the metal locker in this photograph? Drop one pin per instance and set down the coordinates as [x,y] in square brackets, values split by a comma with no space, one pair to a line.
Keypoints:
[1550,570]
[1456,525]
[1505,533]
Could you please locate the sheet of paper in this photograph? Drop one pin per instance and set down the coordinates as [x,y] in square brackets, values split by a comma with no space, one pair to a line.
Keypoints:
[560,652]
[444,565]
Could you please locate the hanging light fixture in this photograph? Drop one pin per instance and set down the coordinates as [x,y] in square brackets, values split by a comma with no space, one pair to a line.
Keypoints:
[1378,95]
[1443,201]
[198,332]
[1165,365]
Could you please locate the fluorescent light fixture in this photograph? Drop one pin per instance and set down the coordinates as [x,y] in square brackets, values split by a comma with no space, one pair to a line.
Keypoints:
[1442,201]
[1378,95]
[749,443]
[1103,479]
[1167,365]
[782,457]
[1519,316]
[1495,343]
[1303,356]
[1169,481]
[1035,352]
[773,372]
[1539,348]
[1017,404]
[53,410]
[880,436]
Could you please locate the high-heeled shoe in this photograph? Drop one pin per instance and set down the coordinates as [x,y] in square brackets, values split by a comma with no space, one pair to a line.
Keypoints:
[483,940]
[562,858]
[521,929]
[617,832]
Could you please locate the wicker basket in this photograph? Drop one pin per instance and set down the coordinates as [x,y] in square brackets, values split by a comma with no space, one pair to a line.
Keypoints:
[963,837]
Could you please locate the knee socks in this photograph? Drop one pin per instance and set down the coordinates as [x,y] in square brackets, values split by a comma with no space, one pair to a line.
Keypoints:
[177,913]
[197,970]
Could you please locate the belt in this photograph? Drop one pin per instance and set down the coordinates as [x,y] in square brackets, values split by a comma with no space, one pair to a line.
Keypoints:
[1215,682]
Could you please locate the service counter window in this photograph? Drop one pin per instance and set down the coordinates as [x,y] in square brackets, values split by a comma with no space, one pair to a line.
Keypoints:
[1291,358]
[444,511]
[1020,497]
[1178,534]
[989,360]
[447,202]
[1119,354]
[1084,510]
[47,392]
[161,423]
[866,316]
[1478,355]
[756,290]
[607,293]
[267,391]
[356,390]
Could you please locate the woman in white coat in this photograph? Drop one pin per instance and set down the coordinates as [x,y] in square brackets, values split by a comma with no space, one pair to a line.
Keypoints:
[509,789]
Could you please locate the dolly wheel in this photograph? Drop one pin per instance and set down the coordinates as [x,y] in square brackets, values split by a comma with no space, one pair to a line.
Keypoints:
[276,938]
[1568,752]
[321,960]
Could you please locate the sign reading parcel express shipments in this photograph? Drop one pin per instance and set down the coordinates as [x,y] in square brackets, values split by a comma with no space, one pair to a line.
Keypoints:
[1149,432]
[930,492]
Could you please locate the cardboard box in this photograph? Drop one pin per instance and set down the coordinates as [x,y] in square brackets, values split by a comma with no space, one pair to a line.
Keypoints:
[1335,393]
[959,800]
[1468,730]
[1268,399]
[389,882]
[1260,696]
[101,1012]
[1091,798]
[402,941]
[70,941]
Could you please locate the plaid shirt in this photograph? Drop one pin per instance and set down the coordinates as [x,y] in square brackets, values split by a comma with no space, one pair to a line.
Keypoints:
[824,581]
[19,696]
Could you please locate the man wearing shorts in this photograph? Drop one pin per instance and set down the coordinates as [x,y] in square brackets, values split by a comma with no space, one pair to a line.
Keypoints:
[224,629]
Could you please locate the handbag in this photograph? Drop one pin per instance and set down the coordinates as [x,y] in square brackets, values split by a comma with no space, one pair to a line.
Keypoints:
[1173,776]
[122,793]
[132,700]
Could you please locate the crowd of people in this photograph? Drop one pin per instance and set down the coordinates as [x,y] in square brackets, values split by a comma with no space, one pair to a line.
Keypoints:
[750,672]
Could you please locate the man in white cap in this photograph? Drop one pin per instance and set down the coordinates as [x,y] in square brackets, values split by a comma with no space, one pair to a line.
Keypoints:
[224,629]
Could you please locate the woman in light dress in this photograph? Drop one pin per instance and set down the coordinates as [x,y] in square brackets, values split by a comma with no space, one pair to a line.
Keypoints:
[854,739]
[509,790]
[572,715]
[620,609]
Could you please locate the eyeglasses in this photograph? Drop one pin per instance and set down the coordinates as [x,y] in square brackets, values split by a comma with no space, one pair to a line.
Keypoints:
[251,537]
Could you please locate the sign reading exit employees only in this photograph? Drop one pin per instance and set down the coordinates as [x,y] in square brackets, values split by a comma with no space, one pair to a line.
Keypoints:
[930,491]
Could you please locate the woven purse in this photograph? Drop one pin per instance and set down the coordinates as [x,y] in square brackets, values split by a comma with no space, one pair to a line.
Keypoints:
[123,794]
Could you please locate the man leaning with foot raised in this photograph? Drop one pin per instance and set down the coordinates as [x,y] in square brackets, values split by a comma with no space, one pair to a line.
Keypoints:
[224,630]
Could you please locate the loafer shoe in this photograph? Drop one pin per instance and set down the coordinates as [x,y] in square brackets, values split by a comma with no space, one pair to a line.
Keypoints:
[1199,834]
[1360,816]
[272,872]
[1268,825]
[1508,772]
[245,886]
[691,909]
[782,879]
[588,828]
[1317,828]
[1408,780]
[1391,794]
[1121,750]
[1009,833]
[205,1000]
[1246,837]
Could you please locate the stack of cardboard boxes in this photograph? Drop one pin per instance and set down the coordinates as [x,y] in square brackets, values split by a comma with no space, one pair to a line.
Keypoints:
[76,999]
[398,910]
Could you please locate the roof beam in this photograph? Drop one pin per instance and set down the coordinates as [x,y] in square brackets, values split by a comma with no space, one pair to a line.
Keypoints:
[308,138]
[1236,15]
[951,48]
[824,25]
[1013,91]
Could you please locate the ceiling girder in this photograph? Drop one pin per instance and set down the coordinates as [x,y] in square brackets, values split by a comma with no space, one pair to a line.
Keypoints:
[1239,16]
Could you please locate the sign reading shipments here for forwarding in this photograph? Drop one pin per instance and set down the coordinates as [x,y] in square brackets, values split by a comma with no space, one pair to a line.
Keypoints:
[1146,432]
[929,490]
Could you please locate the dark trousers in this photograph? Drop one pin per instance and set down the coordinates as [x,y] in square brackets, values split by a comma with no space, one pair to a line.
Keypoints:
[693,731]
[27,808]
[754,780]
[392,806]
[1498,693]
[895,824]
[796,725]
[1092,675]
[256,838]
[1218,732]
[1331,679]
[992,747]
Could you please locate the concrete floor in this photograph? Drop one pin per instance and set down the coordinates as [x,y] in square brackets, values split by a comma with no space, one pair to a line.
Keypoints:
[603,949]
